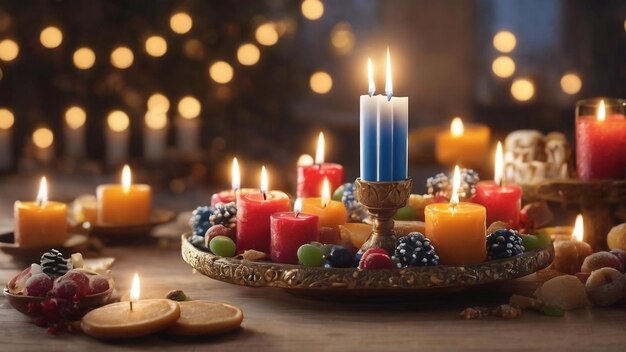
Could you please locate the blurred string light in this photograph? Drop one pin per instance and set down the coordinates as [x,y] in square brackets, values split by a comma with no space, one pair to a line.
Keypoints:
[503,66]
[181,22]
[6,119]
[156,46]
[342,38]
[122,57]
[51,37]
[189,107]
[8,50]
[194,49]
[75,117]
[84,58]
[504,41]
[43,137]
[571,83]
[321,82]
[155,120]
[266,34]
[248,54]
[522,89]
[221,72]
[118,121]
[312,9]
[158,103]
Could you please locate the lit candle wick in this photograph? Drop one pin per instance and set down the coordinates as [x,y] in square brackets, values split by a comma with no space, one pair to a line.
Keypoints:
[264,195]
[264,182]
[388,82]
[131,305]
[456,184]
[42,195]
[370,78]
[297,206]
[499,167]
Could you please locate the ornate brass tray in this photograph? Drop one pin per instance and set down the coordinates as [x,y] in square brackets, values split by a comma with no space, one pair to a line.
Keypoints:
[352,281]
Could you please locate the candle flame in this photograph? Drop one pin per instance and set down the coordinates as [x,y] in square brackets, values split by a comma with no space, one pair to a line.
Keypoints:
[297,205]
[601,114]
[325,193]
[264,181]
[370,78]
[42,195]
[126,179]
[456,184]
[235,176]
[319,153]
[134,289]
[456,127]
[579,229]
[388,83]
[499,167]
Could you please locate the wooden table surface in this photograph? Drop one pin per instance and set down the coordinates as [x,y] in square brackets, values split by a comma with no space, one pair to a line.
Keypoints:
[275,320]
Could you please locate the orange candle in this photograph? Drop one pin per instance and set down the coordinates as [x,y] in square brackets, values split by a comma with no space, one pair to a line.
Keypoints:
[41,223]
[124,204]
[569,254]
[332,213]
[467,145]
[457,230]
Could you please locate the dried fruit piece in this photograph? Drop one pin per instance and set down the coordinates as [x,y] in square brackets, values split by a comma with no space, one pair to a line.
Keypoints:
[606,286]
[252,255]
[473,313]
[177,295]
[600,260]
[524,302]
[507,311]
[565,291]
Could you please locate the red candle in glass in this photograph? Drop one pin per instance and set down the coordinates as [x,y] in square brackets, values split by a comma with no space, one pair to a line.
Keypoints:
[311,177]
[290,230]
[503,202]
[253,216]
[601,139]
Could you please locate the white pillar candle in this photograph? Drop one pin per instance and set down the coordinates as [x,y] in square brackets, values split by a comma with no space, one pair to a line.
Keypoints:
[187,134]
[116,138]
[6,138]
[74,131]
[155,136]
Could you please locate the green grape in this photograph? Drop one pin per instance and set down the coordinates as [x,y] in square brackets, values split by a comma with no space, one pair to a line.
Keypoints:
[530,242]
[222,246]
[543,239]
[338,194]
[310,255]
[406,213]
[553,311]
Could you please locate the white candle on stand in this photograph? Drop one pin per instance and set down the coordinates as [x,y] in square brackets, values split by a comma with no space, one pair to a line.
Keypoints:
[117,135]
[188,124]
[155,136]
[6,139]
[74,130]
[43,140]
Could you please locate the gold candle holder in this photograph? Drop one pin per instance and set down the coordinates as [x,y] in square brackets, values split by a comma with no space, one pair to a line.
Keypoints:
[381,200]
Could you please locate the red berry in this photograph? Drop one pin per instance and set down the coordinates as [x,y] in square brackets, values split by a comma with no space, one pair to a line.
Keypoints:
[80,279]
[40,321]
[49,306]
[38,285]
[218,230]
[98,283]
[65,289]
[376,261]
[372,251]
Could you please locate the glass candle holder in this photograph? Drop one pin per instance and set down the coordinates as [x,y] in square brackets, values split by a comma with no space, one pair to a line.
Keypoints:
[601,139]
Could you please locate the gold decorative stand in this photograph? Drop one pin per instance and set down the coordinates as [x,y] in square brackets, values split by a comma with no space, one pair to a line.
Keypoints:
[381,200]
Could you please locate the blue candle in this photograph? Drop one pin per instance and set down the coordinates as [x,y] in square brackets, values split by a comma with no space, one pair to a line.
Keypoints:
[384,133]
[400,137]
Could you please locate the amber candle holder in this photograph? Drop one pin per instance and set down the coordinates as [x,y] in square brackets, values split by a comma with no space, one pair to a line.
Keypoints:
[382,200]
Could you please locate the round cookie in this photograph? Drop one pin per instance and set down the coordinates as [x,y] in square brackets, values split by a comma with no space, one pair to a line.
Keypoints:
[201,318]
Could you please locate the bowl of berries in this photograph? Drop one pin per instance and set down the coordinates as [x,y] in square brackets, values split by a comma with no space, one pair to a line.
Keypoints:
[58,287]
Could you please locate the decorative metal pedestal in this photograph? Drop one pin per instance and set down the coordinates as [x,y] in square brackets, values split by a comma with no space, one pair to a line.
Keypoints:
[382,199]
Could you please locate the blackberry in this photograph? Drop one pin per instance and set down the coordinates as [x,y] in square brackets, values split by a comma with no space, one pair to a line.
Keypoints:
[199,220]
[356,212]
[438,184]
[504,244]
[416,250]
[224,214]
[53,263]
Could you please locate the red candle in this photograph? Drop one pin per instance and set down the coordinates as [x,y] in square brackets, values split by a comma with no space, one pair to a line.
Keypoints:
[253,216]
[503,202]
[311,177]
[227,196]
[601,140]
[290,230]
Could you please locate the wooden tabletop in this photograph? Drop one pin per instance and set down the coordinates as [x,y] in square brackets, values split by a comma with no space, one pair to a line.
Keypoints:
[275,320]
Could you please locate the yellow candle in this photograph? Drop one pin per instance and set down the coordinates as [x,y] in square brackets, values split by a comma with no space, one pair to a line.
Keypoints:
[131,319]
[466,145]
[457,230]
[42,223]
[331,213]
[124,204]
